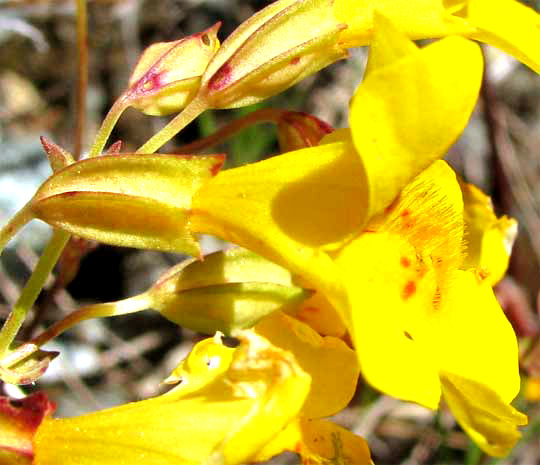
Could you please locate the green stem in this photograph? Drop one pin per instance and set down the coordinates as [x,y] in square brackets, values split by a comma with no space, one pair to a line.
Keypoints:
[82,73]
[265,115]
[23,216]
[108,125]
[122,307]
[194,109]
[32,289]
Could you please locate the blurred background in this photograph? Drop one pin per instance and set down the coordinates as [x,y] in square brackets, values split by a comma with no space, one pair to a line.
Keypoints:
[112,361]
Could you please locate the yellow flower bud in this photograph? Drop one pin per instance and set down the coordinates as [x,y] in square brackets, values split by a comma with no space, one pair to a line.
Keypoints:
[129,200]
[275,48]
[168,74]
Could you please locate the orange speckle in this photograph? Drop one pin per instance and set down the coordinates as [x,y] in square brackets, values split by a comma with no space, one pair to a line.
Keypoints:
[409,290]
[405,213]
[295,60]
[405,262]
[481,274]
[298,447]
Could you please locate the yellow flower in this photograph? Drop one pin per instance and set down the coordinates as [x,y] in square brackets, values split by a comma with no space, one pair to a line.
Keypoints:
[229,409]
[365,220]
[333,369]
[231,406]
[302,203]
[422,326]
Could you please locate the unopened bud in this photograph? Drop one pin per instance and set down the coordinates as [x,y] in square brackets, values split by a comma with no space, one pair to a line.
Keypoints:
[272,50]
[168,74]
[129,200]
[25,366]
[298,130]
[227,291]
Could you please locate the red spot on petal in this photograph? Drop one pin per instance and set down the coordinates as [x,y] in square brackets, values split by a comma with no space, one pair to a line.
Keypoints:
[298,447]
[405,262]
[295,60]
[409,290]
[405,213]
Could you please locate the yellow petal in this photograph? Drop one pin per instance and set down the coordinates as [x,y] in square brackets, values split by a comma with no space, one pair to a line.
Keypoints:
[429,215]
[226,421]
[389,289]
[475,339]
[508,25]
[318,313]
[319,441]
[489,239]
[419,19]
[331,364]
[435,98]
[208,360]
[394,275]
[388,44]
[296,203]
[488,420]
[280,387]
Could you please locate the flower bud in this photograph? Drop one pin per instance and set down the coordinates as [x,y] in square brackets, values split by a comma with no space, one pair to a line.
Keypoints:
[13,370]
[226,291]
[275,48]
[298,130]
[168,74]
[131,200]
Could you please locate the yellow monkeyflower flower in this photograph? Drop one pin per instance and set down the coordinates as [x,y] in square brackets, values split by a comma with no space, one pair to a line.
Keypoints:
[443,329]
[340,184]
[227,418]
[380,235]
